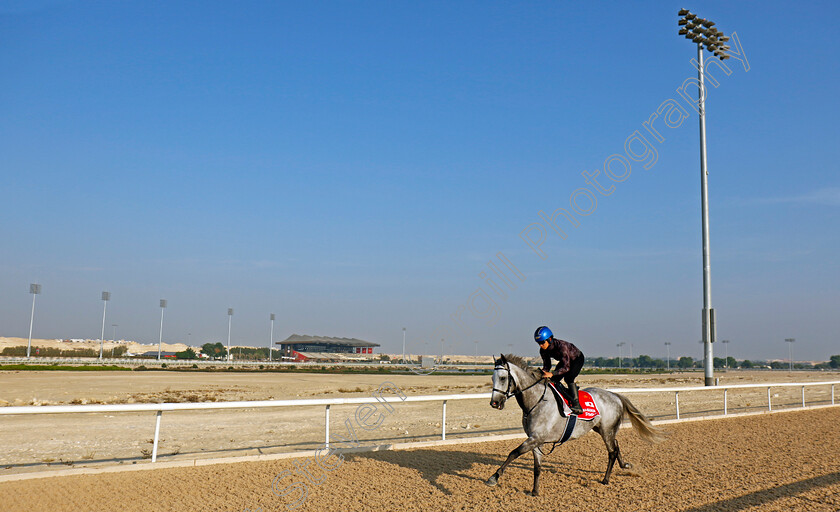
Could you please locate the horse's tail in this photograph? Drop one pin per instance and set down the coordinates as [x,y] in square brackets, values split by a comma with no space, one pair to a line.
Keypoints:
[640,422]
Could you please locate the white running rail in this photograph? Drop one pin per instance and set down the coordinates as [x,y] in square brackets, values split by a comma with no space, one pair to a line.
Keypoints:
[158,409]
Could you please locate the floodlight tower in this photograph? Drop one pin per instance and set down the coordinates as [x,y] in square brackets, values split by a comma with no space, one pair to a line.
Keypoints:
[271,338]
[702,32]
[106,296]
[34,289]
[790,341]
[668,348]
[619,345]
[160,336]
[230,320]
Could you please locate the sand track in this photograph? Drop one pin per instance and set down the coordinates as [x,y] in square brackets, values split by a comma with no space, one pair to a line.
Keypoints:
[787,461]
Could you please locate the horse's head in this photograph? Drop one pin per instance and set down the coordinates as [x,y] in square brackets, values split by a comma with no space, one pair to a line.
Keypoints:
[504,383]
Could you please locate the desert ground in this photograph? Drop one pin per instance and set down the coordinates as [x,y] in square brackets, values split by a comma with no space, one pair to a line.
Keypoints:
[51,441]
[767,463]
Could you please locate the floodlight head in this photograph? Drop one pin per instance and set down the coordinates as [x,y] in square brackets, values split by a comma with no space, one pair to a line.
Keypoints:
[272,316]
[162,303]
[683,12]
[725,47]
[683,31]
[690,16]
[709,24]
[724,38]
[230,311]
[106,296]
[691,26]
[698,39]
[689,36]
[724,57]
[682,22]
[35,289]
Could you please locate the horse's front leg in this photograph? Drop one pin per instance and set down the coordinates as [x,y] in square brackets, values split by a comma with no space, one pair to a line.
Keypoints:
[537,466]
[528,444]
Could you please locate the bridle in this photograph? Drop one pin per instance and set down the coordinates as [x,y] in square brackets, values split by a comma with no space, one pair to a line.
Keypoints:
[507,392]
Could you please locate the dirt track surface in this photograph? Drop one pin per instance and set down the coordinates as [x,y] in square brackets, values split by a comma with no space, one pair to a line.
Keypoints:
[779,462]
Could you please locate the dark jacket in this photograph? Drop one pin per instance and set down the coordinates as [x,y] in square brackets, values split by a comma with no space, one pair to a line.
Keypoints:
[562,351]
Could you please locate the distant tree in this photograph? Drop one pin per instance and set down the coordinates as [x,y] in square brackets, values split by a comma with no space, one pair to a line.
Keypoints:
[731,362]
[779,365]
[746,363]
[214,350]
[645,361]
[717,362]
[186,354]
[685,362]
[834,362]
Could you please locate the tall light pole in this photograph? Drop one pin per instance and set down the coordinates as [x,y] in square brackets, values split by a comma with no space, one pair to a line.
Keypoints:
[726,352]
[701,32]
[160,336]
[668,348]
[115,331]
[230,318]
[619,345]
[106,296]
[790,341]
[271,338]
[34,289]
[476,349]
[403,359]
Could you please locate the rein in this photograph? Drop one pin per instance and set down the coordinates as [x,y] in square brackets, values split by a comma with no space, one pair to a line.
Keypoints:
[518,393]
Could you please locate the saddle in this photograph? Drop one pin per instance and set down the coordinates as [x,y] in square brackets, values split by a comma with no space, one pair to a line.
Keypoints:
[590,410]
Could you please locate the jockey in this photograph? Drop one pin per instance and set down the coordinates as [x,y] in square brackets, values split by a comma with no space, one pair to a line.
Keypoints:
[570,363]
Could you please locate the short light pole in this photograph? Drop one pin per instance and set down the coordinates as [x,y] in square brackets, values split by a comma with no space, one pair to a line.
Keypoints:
[115,331]
[34,289]
[701,32]
[726,353]
[106,296]
[230,318]
[668,348]
[271,338]
[619,345]
[790,341]
[476,349]
[160,336]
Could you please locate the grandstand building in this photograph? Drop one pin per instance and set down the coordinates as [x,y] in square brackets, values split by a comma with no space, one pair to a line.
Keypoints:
[324,344]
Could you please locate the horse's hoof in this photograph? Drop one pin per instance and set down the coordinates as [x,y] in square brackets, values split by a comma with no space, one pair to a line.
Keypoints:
[492,481]
[532,493]
[605,482]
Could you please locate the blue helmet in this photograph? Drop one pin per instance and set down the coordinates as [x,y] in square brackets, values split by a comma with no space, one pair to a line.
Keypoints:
[542,334]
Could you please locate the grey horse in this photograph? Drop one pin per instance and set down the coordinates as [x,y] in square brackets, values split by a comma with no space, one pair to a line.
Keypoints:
[544,424]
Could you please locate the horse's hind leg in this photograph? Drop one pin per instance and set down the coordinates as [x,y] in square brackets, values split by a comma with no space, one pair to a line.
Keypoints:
[537,466]
[621,463]
[528,444]
[608,435]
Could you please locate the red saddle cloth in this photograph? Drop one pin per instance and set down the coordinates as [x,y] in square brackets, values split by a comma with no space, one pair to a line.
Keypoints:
[590,410]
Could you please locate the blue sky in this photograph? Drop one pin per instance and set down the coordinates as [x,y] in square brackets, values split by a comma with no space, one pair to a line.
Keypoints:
[352,167]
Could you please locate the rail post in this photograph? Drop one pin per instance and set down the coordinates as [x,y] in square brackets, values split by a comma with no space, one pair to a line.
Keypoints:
[157,435]
[677,402]
[803,396]
[443,423]
[769,403]
[725,404]
[327,426]
[832,394]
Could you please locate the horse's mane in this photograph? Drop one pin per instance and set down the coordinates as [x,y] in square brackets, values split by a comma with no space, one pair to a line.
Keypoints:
[521,363]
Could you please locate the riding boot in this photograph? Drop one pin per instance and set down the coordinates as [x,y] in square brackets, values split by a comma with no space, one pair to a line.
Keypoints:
[574,403]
